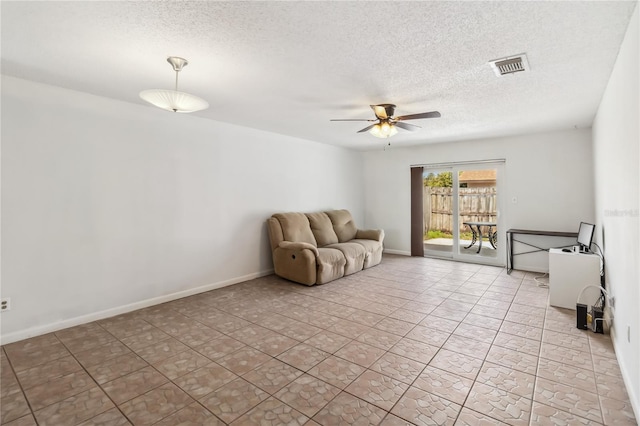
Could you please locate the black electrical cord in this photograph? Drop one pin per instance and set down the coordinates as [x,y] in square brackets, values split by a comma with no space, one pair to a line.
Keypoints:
[601,254]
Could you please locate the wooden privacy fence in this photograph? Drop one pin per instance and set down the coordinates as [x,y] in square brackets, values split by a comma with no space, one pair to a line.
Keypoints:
[475,205]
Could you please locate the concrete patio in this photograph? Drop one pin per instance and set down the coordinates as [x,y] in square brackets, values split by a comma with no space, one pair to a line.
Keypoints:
[445,245]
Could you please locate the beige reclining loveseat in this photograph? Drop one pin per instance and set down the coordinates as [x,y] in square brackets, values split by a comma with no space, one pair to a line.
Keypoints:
[315,248]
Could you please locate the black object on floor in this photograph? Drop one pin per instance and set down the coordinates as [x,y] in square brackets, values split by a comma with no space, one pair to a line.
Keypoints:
[581,316]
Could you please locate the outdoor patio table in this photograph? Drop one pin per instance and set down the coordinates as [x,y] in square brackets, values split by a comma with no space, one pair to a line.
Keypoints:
[477,232]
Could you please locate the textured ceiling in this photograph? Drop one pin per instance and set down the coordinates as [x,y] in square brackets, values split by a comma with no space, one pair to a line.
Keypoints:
[289,67]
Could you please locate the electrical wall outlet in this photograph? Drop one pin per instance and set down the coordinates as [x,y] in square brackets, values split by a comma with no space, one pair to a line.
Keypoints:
[5,304]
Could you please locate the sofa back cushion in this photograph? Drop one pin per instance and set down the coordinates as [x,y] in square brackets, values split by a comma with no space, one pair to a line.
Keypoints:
[296,228]
[343,225]
[322,229]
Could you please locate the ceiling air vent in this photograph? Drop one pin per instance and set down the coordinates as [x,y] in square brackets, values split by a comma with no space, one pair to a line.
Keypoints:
[509,65]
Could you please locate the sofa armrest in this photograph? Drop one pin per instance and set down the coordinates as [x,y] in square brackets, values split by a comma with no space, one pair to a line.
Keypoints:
[296,262]
[370,234]
[288,245]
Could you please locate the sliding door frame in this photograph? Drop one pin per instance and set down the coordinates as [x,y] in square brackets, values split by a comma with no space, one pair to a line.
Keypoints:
[455,168]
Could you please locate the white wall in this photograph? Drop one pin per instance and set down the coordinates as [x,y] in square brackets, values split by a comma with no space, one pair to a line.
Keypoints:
[108,206]
[550,174]
[616,141]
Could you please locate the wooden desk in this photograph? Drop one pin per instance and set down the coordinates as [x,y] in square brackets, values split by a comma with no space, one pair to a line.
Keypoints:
[511,240]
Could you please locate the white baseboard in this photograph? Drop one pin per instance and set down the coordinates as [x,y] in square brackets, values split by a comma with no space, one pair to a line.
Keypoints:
[72,322]
[400,252]
[635,405]
[535,269]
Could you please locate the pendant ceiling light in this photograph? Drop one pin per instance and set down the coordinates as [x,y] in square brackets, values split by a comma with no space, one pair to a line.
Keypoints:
[173,100]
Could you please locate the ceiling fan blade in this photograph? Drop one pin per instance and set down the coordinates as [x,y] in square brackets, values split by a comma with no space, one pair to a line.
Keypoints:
[432,114]
[366,129]
[350,119]
[383,111]
[407,126]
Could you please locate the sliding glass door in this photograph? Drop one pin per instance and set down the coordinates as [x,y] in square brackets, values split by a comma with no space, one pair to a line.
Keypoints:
[461,208]
[438,212]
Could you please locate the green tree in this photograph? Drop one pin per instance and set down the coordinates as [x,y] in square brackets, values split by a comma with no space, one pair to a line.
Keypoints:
[440,180]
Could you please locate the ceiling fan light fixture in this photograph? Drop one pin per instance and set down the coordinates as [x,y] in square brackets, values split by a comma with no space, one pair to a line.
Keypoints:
[383,130]
[174,100]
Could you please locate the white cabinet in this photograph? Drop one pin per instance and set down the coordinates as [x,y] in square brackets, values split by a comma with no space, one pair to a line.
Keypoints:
[569,273]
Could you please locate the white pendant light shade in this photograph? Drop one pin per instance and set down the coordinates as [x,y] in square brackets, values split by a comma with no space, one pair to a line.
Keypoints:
[172,100]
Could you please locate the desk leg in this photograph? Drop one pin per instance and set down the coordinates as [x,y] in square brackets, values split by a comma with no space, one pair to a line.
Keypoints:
[509,252]
[480,234]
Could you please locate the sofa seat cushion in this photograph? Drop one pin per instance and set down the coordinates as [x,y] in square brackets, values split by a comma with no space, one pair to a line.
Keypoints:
[354,254]
[330,263]
[322,229]
[374,251]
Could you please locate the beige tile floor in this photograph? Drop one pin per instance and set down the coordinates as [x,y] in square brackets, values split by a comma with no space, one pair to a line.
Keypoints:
[411,341]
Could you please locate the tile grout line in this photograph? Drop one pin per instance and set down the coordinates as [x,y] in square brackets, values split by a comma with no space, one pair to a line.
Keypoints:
[24,395]
[483,360]
[92,378]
